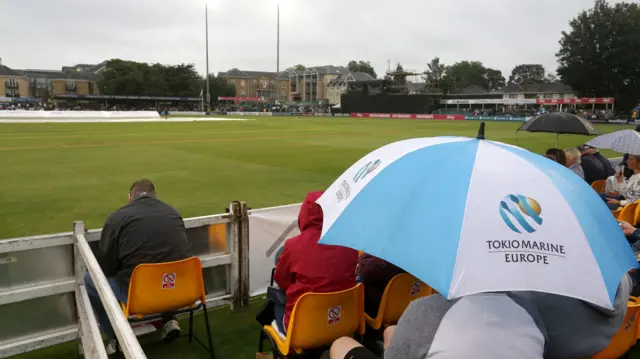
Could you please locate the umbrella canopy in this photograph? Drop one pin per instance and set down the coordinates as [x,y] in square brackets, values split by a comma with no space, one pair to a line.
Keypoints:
[625,141]
[469,216]
[559,122]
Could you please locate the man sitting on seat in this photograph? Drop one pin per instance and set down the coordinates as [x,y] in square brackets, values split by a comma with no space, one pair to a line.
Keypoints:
[146,230]
[306,266]
[573,161]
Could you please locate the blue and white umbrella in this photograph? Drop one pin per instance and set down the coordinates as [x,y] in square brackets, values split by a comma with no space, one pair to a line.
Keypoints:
[469,216]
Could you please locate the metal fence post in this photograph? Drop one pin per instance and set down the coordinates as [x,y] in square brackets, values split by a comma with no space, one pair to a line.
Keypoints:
[244,255]
[79,270]
[234,236]
[79,266]
[239,254]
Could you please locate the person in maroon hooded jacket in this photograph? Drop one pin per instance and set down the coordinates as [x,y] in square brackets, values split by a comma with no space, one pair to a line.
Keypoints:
[306,266]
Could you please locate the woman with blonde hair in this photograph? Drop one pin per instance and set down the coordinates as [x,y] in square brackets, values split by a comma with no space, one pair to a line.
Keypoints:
[625,191]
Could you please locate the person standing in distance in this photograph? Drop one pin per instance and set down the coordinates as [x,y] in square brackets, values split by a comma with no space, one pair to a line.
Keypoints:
[146,230]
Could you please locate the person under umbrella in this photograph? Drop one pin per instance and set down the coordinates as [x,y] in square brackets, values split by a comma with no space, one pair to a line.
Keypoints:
[573,161]
[502,219]
[625,141]
[627,171]
[557,155]
[536,219]
[606,163]
[559,123]
[628,190]
[594,169]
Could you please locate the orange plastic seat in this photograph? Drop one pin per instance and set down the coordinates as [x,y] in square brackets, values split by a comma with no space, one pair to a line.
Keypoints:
[317,320]
[616,213]
[173,287]
[627,336]
[628,213]
[599,186]
[401,290]
[636,216]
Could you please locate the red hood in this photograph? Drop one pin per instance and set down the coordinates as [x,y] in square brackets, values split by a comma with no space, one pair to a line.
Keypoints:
[310,213]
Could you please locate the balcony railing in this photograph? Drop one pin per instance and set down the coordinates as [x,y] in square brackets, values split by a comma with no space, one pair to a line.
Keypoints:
[12,84]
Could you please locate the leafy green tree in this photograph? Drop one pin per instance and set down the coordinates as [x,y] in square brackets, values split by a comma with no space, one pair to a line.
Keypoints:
[463,74]
[495,80]
[129,78]
[182,80]
[530,73]
[434,74]
[362,66]
[551,78]
[599,54]
[219,87]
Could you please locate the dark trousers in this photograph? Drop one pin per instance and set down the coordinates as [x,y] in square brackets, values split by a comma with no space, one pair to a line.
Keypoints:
[278,312]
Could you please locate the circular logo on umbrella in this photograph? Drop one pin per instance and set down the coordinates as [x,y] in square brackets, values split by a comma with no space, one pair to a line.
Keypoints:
[521,214]
[366,169]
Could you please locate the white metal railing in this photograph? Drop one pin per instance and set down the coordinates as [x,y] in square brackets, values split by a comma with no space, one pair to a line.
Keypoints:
[51,268]
[126,338]
[90,337]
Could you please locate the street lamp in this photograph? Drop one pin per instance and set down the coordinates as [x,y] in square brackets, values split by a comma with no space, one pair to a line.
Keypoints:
[206,20]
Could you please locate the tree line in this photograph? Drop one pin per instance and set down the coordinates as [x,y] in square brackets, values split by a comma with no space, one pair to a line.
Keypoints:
[448,78]
[130,78]
[598,56]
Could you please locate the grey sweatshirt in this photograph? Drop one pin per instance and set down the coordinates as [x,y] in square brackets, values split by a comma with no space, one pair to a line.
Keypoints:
[490,325]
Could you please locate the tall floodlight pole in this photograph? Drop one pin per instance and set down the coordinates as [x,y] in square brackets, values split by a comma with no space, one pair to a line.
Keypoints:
[206,27]
[278,59]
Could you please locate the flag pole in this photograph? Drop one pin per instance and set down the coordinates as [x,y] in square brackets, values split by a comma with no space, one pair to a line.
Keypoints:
[278,59]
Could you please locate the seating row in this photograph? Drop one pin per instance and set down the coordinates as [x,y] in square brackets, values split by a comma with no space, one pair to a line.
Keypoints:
[317,319]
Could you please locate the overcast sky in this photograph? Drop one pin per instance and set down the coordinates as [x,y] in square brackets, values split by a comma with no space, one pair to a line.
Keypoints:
[47,34]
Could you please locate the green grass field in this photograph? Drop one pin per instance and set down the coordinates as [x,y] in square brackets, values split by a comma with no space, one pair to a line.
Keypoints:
[53,174]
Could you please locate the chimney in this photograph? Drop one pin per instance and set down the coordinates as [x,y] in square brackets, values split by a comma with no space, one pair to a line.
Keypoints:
[0,61]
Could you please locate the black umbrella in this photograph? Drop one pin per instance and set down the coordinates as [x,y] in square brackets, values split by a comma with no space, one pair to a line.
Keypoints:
[559,122]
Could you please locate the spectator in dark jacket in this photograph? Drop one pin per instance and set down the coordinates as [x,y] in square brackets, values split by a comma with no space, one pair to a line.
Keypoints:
[146,230]
[606,164]
[593,168]
[375,274]
[306,266]
[608,167]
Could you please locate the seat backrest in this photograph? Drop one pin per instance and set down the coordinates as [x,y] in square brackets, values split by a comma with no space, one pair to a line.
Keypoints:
[401,290]
[319,319]
[636,216]
[599,186]
[164,287]
[626,336]
[628,213]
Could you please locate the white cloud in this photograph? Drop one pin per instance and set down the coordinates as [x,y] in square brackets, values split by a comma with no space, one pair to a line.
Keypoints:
[242,33]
